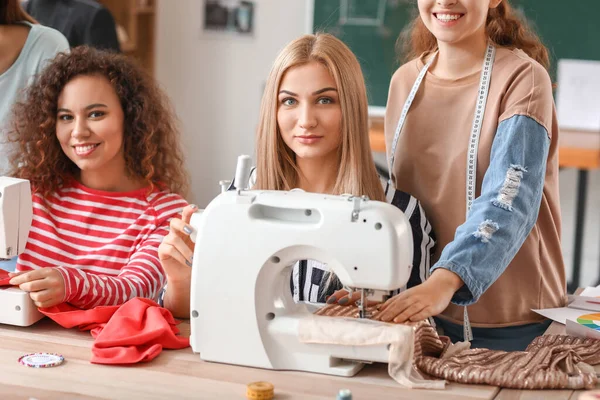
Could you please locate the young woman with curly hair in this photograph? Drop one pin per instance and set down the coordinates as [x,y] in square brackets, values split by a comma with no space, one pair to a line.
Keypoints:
[99,145]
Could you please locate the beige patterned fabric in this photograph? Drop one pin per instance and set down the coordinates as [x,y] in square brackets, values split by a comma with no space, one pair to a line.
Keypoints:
[549,362]
[364,332]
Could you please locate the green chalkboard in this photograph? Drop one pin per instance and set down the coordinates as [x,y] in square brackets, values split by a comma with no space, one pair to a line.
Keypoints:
[371,27]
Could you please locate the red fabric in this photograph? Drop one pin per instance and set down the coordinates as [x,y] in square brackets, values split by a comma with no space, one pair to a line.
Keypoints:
[4,278]
[136,331]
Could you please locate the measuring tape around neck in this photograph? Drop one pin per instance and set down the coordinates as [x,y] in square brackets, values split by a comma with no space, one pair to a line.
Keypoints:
[482,94]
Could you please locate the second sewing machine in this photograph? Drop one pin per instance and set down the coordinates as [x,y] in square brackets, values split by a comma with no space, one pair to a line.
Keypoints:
[15,221]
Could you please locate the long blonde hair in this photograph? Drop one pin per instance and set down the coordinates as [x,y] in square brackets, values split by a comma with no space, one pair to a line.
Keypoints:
[276,162]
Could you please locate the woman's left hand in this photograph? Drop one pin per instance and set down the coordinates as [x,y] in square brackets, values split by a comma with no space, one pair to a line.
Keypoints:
[46,286]
[423,301]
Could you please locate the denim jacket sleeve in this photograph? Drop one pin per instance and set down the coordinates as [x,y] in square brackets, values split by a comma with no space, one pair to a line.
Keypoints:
[502,217]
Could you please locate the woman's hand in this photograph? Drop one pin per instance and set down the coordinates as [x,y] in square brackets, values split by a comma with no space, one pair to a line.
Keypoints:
[46,286]
[176,250]
[423,301]
[175,254]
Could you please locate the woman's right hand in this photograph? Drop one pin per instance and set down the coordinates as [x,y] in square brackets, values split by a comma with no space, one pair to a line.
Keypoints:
[176,250]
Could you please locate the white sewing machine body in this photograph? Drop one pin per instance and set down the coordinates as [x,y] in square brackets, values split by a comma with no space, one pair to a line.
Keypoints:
[242,309]
[17,308]
[16,213]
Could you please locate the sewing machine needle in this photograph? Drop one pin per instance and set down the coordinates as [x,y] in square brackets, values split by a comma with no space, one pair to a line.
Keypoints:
[361,308]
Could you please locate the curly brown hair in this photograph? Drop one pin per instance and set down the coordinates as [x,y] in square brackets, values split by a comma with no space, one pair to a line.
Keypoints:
[151,138]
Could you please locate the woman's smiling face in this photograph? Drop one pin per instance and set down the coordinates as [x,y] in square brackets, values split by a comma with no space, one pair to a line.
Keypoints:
[455,21]
[89,124]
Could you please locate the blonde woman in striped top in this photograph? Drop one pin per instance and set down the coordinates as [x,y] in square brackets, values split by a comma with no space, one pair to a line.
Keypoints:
[312,135]
[99,145]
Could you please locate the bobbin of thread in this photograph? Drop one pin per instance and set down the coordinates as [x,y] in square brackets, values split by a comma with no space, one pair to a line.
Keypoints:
[260,391]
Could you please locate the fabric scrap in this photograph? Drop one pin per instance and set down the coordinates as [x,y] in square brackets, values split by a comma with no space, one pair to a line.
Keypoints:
[136,331]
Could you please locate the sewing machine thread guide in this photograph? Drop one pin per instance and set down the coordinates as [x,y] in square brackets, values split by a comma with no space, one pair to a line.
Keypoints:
[356,203]
[356,209]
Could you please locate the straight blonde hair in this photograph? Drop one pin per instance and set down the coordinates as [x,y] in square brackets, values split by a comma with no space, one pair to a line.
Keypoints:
[276,162]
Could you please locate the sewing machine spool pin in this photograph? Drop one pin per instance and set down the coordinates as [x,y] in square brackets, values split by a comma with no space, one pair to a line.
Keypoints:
[224,184]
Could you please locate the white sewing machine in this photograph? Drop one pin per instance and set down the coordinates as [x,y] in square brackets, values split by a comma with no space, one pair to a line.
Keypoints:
[16,212]
[242,310]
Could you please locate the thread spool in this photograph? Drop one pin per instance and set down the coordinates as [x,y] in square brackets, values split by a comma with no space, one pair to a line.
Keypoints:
[242,172]
[260,391]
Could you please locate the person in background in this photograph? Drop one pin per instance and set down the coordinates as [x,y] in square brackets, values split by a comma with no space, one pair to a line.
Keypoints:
[83,22]
[99,144]
[25,48]
[479,148]
[312,135]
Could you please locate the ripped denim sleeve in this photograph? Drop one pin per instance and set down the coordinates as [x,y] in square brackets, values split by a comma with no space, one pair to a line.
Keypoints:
[502,217]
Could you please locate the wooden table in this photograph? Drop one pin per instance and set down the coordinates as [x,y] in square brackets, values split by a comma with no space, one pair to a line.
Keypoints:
[577,149]
[181,374]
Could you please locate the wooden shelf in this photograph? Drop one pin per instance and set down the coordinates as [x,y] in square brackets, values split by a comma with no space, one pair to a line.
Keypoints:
[128,47]
[377,138]
[137,20]
[145,10]
[579,149]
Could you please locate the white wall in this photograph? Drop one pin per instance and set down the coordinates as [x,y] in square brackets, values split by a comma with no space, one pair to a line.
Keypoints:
[215,81]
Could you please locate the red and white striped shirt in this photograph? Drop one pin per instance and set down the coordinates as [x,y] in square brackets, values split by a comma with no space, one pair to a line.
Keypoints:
[105,244]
